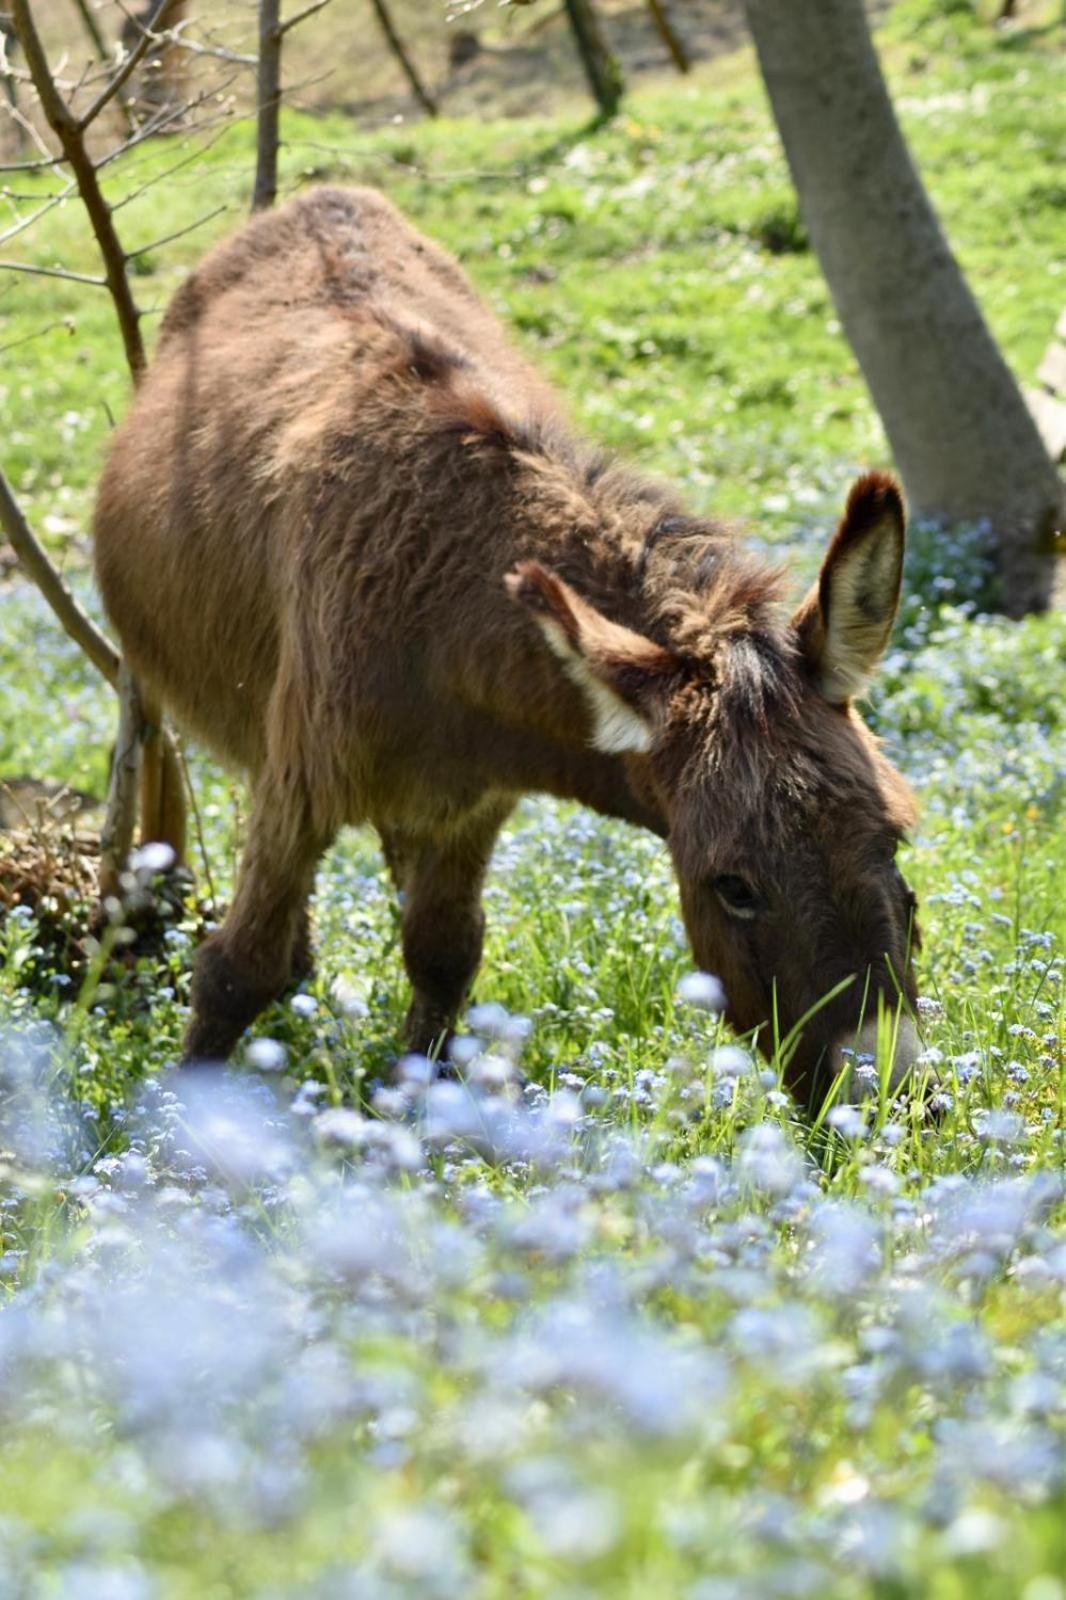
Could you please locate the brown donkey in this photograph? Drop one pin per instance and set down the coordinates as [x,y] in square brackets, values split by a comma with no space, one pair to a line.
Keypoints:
[347,536]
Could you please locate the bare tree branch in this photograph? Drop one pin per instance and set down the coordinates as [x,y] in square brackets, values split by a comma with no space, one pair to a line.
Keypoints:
[168,238]
[99,43]
[301,16]
[23,196]
[168,172]
[37,563]
[52,272]
[30,133]
[166,117]
[70,131]
[28,338]
[32,166]
[217,52]
[42,210]
[121,77]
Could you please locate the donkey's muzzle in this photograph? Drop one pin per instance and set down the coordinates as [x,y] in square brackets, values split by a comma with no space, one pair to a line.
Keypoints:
[856,1057]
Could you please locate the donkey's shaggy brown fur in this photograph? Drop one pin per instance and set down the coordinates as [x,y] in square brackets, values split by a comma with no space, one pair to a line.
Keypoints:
[348,537]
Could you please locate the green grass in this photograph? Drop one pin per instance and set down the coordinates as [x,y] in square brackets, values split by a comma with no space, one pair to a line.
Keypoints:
[879,1431]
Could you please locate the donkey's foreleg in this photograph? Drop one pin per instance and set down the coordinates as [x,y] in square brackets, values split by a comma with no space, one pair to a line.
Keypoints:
[443,923]
[262,942]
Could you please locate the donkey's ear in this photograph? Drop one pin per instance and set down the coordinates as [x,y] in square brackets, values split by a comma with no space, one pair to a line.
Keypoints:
[619,672]
[846,620]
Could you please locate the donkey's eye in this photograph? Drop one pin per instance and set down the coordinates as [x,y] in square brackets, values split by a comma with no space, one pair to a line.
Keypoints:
[738,896]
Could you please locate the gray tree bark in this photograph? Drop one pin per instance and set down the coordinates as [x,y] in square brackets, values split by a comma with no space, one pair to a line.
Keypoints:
[601,68]
[963,439]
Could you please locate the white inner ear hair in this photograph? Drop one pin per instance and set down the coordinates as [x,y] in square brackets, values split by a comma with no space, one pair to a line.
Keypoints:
[617,729]
[861,608]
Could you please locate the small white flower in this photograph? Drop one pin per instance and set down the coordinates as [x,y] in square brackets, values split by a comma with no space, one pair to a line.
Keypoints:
[848,1121]
[349,998]
[702,990]
[152,858]
[974,1532]
[489,1019]
[339,1126]
[267,1055]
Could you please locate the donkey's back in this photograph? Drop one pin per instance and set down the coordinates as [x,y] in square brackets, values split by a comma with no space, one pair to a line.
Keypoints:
[269,392]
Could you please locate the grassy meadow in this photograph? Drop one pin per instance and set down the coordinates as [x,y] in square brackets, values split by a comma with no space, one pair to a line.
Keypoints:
[608,1315]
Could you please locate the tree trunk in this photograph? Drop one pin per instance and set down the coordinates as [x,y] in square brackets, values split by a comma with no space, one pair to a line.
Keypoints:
[396,45]
[71,131]
[601,68]
[668,34]
[92,28]
[160,81]
[964,441]
[103,53]
[116,835]
[268,104]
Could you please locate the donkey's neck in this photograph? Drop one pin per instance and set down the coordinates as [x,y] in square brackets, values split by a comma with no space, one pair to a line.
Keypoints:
[630,549]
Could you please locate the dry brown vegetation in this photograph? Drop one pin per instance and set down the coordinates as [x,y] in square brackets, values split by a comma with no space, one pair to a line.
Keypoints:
[522,61]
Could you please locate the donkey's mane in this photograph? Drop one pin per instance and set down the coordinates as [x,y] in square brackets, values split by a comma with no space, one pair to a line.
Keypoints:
[686,579]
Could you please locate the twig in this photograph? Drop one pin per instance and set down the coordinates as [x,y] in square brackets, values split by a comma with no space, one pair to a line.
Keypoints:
[28,338]
[115,84]
[168,238]
[217,52]
[32,166]
[27,222]
[23,122]
[163,119]
[103,54]
[53,272]
[161,177]
[301,16]
[20,197]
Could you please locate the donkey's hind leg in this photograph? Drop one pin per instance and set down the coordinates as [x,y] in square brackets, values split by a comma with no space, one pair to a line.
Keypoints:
[262,942]
[302,965]
[443,923]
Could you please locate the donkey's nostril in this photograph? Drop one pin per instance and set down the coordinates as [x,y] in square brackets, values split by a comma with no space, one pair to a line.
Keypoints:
[859,1084]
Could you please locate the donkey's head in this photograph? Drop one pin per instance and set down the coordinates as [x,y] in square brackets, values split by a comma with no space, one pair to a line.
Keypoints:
[783,815]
